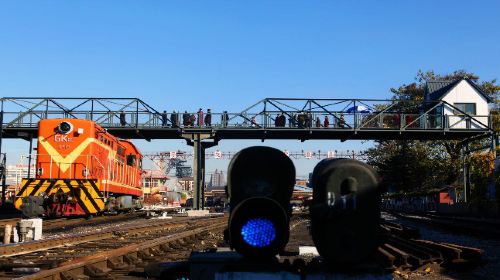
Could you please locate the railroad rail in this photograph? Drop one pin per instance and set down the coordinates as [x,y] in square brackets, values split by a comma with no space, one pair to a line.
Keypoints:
[65,223]
[60,224]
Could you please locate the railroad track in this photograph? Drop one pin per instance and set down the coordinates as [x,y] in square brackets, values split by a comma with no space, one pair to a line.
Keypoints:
[126,252]
[402,249]
[38,256]
[63,224]
[475,227]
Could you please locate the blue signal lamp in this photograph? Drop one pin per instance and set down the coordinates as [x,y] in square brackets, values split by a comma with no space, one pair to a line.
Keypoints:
[258,228]
[258,232]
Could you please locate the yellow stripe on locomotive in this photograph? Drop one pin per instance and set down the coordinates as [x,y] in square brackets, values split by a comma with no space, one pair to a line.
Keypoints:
[77,197]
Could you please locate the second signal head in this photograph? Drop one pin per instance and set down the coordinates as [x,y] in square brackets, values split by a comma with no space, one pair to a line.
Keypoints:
[345,211]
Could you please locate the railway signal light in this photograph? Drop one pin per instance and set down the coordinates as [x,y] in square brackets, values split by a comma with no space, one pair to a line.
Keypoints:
[345,210]
[260,186]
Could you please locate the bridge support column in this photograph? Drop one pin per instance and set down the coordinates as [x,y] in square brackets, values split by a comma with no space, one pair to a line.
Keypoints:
[199,174]
[466,173]
[199,146]
[2,166]
[30,150]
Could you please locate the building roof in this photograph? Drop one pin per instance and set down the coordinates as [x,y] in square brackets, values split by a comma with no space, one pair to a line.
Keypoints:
[437,89]
[154,173]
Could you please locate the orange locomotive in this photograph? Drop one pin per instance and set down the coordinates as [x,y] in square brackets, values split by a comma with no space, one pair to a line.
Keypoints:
[81,169]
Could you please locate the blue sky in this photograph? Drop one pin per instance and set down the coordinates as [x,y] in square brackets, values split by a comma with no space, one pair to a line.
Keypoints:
[226,55]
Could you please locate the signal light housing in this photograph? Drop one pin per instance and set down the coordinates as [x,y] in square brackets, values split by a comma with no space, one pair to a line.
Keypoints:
[345,211]
[260,185]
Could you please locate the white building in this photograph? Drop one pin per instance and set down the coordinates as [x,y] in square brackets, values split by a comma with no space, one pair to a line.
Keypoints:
[464,99]
[217,180]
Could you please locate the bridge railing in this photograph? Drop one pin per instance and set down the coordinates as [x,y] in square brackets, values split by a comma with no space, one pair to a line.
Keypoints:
[341,120]
[261,120]
[104,118]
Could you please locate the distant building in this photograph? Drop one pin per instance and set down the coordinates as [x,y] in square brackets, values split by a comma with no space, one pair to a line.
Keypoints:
[217,180]
[464,95]
[153,181]
[186,184]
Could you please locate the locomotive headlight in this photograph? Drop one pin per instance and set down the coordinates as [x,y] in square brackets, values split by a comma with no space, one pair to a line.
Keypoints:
[65,127]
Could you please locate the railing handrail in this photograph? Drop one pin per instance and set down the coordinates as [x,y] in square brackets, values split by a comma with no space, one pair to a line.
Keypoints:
[36,156]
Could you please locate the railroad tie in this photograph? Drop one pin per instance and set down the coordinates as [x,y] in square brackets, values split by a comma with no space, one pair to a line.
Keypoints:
[450,254]
[385,259]
[401,256]
[117,264]
[95,272]
[131,259]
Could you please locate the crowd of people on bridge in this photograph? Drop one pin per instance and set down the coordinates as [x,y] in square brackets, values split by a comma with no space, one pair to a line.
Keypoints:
[282,120]
[305,120]
[202,119]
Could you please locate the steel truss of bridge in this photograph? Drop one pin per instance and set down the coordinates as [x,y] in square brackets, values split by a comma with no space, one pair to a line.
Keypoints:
[271,118]
[347,119]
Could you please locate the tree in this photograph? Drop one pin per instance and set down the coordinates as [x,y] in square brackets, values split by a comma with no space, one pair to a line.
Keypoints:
[481,168]
[422,165]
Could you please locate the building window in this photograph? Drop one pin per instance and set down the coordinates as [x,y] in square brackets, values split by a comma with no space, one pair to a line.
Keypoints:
[468,108]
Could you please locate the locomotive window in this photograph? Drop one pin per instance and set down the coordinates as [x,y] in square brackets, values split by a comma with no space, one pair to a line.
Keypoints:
[140,164]
[121,151]
[131,160]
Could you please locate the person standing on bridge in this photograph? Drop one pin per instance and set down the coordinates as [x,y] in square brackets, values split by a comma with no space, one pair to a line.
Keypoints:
[326,122]
[282,120]
[318,122]
[200,117]
[253,122]
[123,120]
[341,120]
[225,119]
[208,118]
[174,118]
[185,119]
[292,121]
[164,119]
